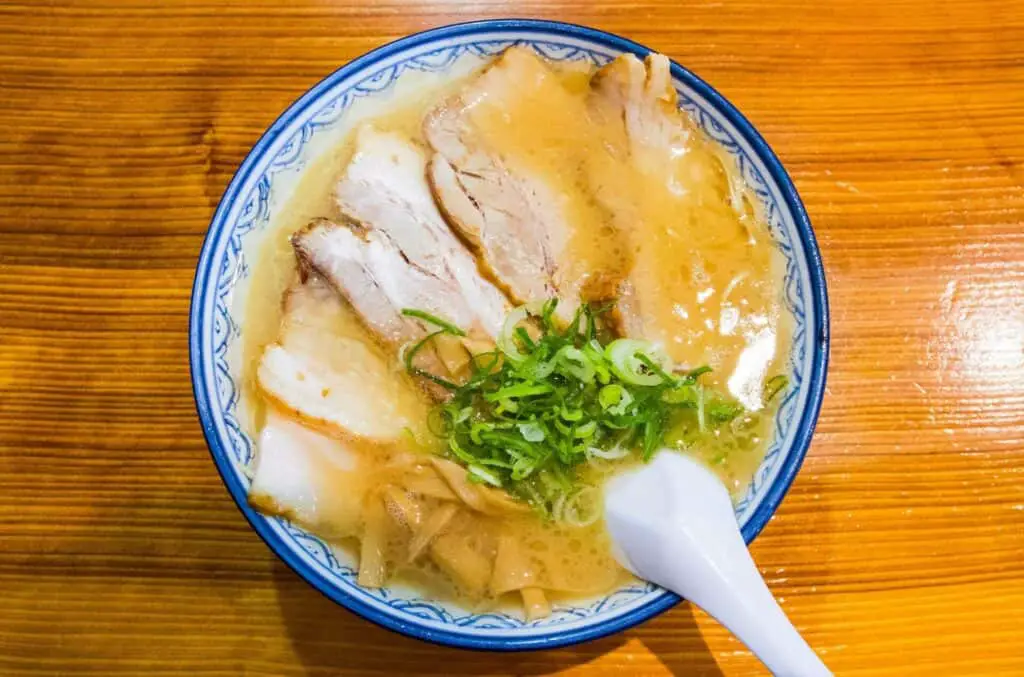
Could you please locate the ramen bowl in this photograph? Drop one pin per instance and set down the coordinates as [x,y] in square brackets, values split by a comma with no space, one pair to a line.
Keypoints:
[316,122]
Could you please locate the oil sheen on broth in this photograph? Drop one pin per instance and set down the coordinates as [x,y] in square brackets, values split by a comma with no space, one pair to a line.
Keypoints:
[706,276]
[678,226]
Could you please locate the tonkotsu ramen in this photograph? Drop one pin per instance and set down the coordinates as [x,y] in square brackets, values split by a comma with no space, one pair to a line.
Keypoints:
[485,302]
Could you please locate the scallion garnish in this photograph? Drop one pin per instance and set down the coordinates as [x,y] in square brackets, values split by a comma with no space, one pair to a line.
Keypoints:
[550,400]
[446,326]
[774,386]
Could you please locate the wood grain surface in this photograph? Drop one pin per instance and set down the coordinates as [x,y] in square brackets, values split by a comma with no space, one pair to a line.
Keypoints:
[900,548]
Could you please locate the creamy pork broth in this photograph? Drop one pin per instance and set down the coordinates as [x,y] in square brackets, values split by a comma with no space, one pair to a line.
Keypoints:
[650,218]
[672,218]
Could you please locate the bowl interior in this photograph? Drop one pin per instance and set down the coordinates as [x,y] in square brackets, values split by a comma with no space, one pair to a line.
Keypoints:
[320,119]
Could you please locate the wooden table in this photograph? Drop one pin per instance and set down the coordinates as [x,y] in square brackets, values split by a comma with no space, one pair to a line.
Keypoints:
[900,548]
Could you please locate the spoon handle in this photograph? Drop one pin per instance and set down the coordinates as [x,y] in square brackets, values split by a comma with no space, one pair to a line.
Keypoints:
[742,602]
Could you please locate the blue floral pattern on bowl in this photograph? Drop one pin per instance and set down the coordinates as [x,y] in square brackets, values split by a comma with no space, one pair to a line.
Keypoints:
[245,210]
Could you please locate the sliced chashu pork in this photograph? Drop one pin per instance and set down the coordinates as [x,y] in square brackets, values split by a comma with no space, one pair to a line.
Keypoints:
[384,188]
[379,282]
[307,477]
[369,270]
[519,204]
[639,97]
[640,107]
[701,281]
[325,371]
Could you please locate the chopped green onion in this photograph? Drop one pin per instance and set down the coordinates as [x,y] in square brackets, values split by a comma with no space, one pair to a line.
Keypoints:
[721,411]
[622,354]
[476,428]
[774,386]
[547,312]
[682,394]
[571,414]
[525,339]
[612,454]
[586,430]
[552,401]
[506,406]
[408,354]
[445,325]
[655,368]
[693,374]
[519,391]
[614,399]
[532,432]
[700,409]
[506,342]
[458,451]
[576,363]
[582,508]
[481,474]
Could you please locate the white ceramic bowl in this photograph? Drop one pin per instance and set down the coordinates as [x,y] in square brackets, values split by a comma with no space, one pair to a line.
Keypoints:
[318,120]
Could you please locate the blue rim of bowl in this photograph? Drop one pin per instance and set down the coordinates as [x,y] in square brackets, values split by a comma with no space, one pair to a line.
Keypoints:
[768,504]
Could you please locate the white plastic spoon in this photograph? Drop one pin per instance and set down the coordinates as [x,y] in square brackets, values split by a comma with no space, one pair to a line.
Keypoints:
[672,523]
